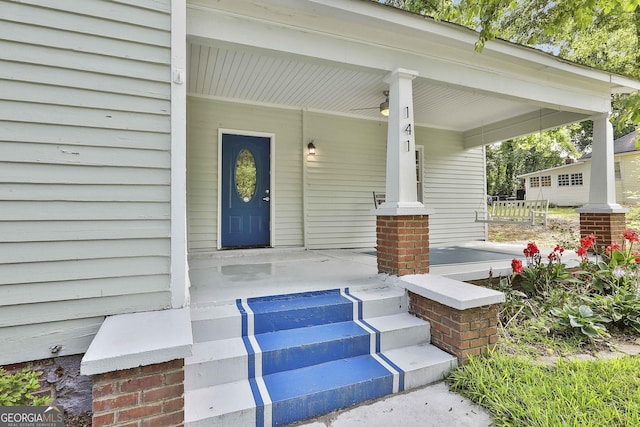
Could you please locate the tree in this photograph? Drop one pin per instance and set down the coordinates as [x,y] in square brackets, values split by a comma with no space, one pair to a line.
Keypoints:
[507,160]
[433,8]
[599,33]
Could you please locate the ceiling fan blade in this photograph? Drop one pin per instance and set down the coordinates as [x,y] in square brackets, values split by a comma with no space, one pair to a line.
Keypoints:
[367,108]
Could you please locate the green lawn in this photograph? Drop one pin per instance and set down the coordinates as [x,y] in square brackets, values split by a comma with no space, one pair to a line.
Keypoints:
[520,392]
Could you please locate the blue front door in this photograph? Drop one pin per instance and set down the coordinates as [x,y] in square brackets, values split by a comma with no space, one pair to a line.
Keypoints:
[245,191]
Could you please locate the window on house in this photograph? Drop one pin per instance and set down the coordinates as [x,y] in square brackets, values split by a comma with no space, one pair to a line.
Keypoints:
[576,178]
[534,181]
[545,181]
[617,170]
[419,175]
[563,180]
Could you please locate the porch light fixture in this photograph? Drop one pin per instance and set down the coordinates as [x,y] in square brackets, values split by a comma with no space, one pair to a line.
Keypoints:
[384,106]
[311,148]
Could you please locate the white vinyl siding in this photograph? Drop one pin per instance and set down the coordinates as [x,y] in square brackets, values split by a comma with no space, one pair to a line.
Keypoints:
[349,165]
[341,177]
[628,188]
[85,169]
[204,118]
[454,186]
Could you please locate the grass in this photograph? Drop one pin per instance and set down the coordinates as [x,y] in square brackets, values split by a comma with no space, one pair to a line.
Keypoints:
[563,228]
[518,391]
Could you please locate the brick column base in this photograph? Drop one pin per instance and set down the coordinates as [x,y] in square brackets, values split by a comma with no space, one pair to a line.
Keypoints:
[147,396]
[403,244]
[607,227]
[460,332]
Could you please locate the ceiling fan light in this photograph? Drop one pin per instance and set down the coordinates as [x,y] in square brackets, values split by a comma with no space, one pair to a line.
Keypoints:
[384,108]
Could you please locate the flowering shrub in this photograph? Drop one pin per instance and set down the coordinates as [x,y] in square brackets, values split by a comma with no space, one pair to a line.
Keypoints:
[603,291]
[538,277]
[618,268]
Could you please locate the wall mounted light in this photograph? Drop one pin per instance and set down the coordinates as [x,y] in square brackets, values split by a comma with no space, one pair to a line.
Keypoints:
[384,106]
[311,148]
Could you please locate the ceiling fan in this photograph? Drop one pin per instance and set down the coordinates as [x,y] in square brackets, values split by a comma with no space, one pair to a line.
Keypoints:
[383,107]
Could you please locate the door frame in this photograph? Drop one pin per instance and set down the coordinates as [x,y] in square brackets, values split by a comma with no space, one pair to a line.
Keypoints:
[272,181]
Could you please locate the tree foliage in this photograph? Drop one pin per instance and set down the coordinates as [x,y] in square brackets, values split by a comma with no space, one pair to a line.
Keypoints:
[604,34]
[599,33]
[507,160]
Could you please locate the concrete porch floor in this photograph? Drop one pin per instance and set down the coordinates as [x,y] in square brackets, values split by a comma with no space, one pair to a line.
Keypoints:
[227,275]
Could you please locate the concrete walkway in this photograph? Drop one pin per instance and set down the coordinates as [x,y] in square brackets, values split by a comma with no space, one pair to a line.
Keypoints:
[431,406]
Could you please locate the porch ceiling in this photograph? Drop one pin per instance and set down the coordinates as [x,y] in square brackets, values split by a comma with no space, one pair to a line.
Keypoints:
[227,71]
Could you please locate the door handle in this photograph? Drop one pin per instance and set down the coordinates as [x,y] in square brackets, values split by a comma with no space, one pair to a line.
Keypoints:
[266,198]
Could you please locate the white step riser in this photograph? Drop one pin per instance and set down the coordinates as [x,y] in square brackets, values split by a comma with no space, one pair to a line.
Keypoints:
[216,329]
[215,372]
[419,334]
[216,323]
[429,375]
[383,307]
[233,419]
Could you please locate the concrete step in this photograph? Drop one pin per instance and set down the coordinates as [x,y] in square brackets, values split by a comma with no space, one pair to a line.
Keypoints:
[295,395]
[221,361]
[216,362]
[221,321]
[286,358]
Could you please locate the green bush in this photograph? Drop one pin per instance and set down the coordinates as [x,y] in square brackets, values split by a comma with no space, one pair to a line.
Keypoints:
[16,389]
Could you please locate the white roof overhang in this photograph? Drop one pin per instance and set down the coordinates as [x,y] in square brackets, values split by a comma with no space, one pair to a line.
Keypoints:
[332,56]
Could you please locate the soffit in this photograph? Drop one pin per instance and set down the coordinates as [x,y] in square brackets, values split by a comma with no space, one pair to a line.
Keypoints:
[239,73]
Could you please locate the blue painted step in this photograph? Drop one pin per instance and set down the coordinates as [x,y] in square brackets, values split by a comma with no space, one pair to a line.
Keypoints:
[279,312]
[282,359]
[316,390]
[297,348]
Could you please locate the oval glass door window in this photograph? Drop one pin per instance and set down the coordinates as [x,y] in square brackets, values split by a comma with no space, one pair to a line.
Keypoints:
[246,175]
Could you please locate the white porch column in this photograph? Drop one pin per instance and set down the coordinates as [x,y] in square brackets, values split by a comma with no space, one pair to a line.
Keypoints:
[602,184]
[401,188]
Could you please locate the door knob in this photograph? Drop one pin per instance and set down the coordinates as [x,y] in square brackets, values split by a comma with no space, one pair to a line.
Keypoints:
[266,198]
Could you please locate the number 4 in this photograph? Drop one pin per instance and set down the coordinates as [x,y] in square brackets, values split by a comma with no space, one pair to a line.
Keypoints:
[408,129]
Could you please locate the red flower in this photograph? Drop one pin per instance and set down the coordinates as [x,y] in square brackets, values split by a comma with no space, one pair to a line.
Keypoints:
[588,241]
[582,251]
[615,246]
[631,235]
[516,266]
[559,248]
[637,255]
[553,256]
[531,250]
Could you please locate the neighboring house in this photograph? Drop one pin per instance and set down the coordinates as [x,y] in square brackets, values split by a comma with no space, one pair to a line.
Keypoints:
[124,125]
[568,185]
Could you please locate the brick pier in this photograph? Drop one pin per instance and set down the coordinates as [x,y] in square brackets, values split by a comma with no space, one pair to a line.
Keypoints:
[403,244]
[147,396]
[607,227]
[463,333]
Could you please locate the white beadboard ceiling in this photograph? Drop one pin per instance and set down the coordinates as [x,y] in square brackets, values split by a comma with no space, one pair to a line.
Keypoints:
[270,78]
